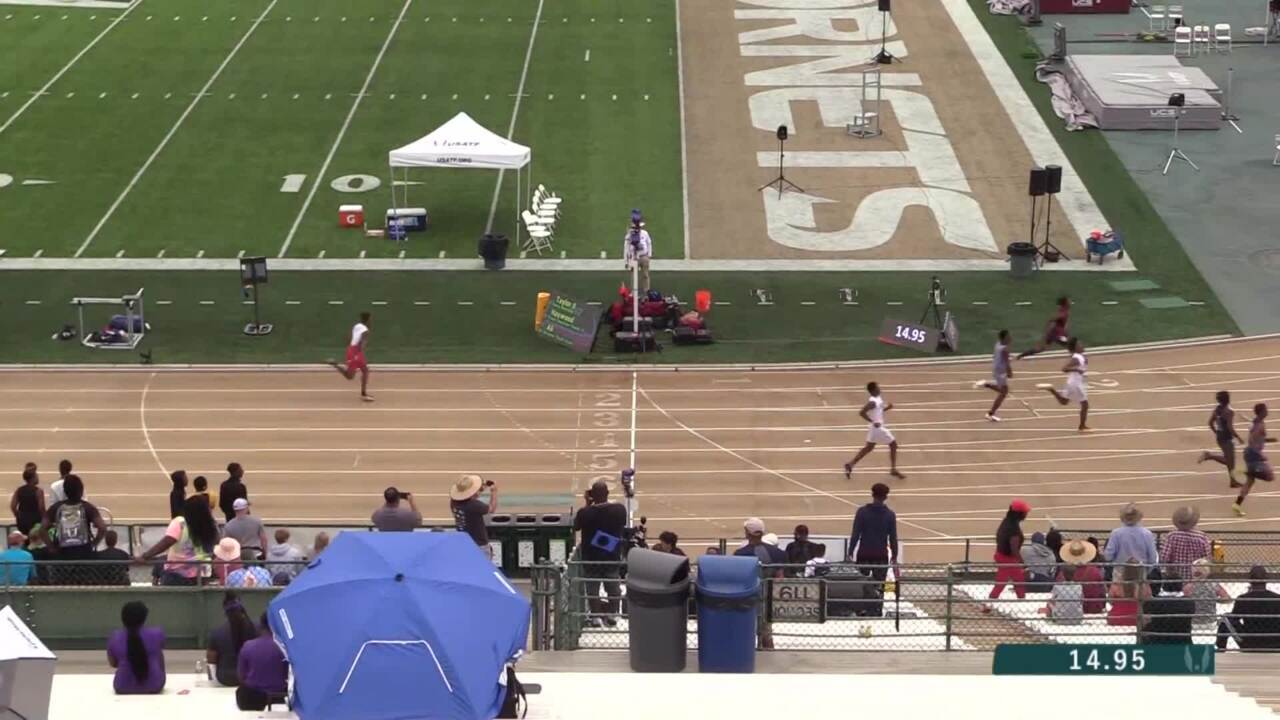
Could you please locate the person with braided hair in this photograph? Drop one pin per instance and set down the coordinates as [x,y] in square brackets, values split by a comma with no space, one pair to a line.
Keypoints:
[137,653]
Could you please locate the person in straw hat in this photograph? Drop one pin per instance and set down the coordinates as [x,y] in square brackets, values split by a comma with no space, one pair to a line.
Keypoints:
[1184,545]
[227,558]
[1066,604]
[1078,557]
[469,510]
[1131,541]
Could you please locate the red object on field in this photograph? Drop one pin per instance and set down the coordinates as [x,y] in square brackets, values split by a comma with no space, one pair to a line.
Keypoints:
[702,301]
[350,216]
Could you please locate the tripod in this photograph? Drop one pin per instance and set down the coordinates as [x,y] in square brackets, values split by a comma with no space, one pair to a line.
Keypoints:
[884,57]
[1176,152]
[781,181]
[1045,247]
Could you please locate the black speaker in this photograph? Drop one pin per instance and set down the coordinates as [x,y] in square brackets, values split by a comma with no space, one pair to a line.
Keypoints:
[884,5]
[1053,179]
[782,132]
[1039,182]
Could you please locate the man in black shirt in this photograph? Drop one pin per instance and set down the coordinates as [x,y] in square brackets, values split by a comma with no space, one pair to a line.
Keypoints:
[469,510]
[1255,618]
[600,526]
[232,489]
[113,566]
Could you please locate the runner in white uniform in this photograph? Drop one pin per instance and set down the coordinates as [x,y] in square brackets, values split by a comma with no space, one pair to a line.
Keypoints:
[873,412]
[1001,371]
[1076,390]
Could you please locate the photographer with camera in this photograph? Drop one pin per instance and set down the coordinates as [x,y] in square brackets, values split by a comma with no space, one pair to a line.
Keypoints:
[394,517]
[469,510]
[601,526]
[637,249]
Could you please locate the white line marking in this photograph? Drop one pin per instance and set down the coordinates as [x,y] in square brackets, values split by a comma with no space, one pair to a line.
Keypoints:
[465,302]
[515,112]
[38,253]
[239,254]
[18,113]
[292,302]
[378,302]
[322,252]
[173,130]
[120,253]
[335,302]
[206,302]
[33,302]
[1110,302]
[142,420]
[164,302]
[587,57]
[363,253]
[1022,303]
[421,302]
[355,105]
[507,302]
[199,253]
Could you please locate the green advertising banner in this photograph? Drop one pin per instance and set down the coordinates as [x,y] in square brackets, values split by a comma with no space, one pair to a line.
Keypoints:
[1103,660]
[570,323]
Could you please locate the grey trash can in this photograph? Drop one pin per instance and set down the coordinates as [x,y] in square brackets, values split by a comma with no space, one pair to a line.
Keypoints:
[1022,259]
[657,602]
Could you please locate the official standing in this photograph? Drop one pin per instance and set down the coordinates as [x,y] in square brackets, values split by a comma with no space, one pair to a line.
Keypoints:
[638,249]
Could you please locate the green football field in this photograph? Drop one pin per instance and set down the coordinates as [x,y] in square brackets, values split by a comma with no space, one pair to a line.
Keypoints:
[197,129]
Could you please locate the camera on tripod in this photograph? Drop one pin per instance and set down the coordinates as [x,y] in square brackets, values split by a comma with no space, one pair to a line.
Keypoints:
[635,536]
[937,293]
[628,480]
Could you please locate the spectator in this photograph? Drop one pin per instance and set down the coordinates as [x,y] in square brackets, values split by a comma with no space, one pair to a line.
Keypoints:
[873,541]
[321,542]
[1166,620]
[1254,620]
[712,551]
[251,574]
[40,551]
[27,503]
[226,559]
[226,640]
[469,510]
[637,250]
[817,566]
[75,529]
[394,517]
[56,493]
[802,549]
[232,489]
[187,544]
[1183,546]
[1008,555]
[201,485]
[1066,605]
[1128,591]
[1131,541]
[286,559]
[668,543]
[1080,554]
[1053,541]
[247,530]
[114,569]
[178,493]
[753,531]
[600,525]
[263,671]
[17,565]
[1041,563]
[1204,591]
[137,653]
[770,539]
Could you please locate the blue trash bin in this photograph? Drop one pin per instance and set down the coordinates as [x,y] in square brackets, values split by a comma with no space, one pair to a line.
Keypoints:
[728,593]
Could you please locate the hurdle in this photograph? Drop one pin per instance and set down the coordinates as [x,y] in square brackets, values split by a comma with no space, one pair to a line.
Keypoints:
[135,324]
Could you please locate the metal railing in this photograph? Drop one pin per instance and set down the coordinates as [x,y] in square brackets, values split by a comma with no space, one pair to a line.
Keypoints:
[842,606]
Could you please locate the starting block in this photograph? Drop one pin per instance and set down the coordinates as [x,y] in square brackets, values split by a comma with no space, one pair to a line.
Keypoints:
[350,216]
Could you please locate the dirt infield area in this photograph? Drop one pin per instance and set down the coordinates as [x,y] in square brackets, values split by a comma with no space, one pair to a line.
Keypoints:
[945,183]
[710,447]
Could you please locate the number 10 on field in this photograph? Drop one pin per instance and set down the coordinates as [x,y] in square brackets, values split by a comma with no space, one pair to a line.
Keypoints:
[357,183]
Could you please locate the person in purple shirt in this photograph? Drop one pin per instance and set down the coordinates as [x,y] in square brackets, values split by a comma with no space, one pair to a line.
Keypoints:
[137,653]
[264,673]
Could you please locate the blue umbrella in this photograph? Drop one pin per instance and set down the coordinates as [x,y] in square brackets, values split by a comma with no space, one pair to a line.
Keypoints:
[400,625]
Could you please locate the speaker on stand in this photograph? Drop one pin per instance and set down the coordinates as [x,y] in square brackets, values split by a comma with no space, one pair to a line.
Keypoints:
[1047,251]
[884,57]
[781,181]
[1037,182]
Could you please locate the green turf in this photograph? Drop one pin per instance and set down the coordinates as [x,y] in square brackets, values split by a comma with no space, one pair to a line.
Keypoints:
[488,331]
[604,132]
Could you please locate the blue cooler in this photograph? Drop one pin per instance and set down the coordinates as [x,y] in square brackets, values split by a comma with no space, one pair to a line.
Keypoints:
[728,594]
[411,219]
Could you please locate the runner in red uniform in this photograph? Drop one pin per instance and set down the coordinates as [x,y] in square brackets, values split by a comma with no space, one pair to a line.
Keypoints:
[356,361]
[1056,332]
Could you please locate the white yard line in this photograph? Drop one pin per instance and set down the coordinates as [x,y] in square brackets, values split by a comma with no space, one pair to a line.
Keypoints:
[174,130]
[13,118]
[355,105]
[515,113]
[684,144]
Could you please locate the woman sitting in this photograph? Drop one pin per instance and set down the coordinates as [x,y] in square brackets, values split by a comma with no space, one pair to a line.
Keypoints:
[226,640]
[1128,591]
[1205,592]
[1068,603]
[264,673]
[137,653]
[187,544]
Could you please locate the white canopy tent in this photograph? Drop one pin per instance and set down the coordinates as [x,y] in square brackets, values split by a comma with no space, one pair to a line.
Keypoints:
[461,143]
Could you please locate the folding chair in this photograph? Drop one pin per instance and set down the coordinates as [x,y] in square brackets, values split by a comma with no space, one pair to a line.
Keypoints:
[1173,16]
[1221,35]
[539,235]
[542,202]
[1276,160]
[1156,18]
[1182,41]
[1200,39]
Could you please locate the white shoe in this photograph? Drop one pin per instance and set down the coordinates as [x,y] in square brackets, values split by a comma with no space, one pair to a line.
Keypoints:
[979,384]
[993,418]
[1043,386]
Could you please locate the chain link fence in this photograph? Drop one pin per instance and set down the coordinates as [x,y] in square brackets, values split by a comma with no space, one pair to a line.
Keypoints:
[16,574]
[929,608]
